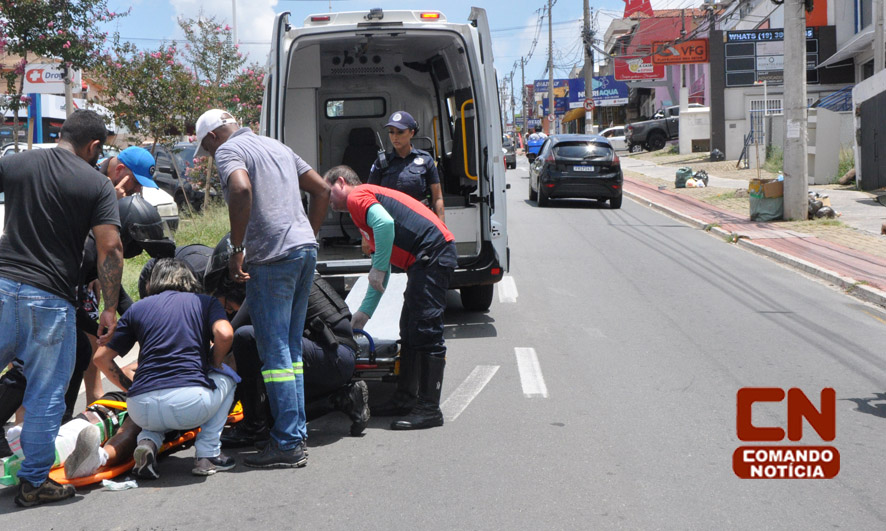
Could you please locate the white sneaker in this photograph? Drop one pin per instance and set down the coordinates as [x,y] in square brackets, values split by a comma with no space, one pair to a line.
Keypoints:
[88,455]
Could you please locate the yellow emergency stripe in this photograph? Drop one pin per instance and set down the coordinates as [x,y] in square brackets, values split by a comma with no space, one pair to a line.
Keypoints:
[298,367]
[281,375]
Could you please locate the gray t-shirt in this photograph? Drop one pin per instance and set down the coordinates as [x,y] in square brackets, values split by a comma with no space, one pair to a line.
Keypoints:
[278,222]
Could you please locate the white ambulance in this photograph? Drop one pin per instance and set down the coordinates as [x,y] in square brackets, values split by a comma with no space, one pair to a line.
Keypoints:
[334,81]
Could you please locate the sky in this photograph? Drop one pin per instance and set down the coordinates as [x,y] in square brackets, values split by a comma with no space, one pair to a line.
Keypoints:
[514,24]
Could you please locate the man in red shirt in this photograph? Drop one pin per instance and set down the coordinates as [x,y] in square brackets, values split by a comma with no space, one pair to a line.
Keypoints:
[404,234]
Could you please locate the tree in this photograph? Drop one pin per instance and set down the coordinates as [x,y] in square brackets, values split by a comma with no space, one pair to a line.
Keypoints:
[215,59]
[66,30]
[244,95]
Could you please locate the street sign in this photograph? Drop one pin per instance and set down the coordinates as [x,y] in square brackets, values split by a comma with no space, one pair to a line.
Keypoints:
[550,117]
[589,104]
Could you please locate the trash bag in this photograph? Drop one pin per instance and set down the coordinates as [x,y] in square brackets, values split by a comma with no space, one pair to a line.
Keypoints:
[701,175]
[826,212]
[683,174]
[717,155]
[814,207]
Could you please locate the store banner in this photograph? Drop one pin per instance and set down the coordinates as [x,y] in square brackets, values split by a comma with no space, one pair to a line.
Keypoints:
[634,68]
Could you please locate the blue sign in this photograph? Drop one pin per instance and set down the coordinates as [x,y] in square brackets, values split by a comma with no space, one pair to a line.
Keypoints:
[608,92]
[570,93]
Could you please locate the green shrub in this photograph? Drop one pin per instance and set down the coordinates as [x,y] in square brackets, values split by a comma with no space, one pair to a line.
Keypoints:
[846,163]
[207,228]
[774,159]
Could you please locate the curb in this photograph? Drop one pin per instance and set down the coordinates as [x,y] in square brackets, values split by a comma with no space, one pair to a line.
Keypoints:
[849,285]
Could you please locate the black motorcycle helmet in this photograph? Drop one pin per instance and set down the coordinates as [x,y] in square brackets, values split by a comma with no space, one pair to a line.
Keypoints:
[216,279]
[142,229]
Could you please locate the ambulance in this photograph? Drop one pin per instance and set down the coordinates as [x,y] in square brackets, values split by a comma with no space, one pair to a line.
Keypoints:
[334,81]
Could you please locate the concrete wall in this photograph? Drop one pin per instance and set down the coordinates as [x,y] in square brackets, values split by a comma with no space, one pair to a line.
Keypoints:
[829,133]
[695,124]
[862,92]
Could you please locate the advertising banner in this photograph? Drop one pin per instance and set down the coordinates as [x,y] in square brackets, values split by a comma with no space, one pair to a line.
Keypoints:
[634,68]
[682,53]
[49,79]
[608,92]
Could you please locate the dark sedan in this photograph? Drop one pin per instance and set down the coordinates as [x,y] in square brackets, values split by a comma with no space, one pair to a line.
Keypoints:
[583,166]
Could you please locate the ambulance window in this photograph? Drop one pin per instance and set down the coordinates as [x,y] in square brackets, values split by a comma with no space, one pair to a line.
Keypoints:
[355,108]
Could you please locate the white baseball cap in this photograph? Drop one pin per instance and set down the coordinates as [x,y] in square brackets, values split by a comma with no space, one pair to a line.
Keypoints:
[210,121]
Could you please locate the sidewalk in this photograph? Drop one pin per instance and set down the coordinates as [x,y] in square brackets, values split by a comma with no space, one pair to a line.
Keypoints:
[850,254]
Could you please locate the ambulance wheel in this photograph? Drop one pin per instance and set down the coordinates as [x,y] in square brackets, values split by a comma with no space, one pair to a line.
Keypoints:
[477,298]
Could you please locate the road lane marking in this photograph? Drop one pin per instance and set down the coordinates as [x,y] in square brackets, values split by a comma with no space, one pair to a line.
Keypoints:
[467,391]
[507,290]
[530,373]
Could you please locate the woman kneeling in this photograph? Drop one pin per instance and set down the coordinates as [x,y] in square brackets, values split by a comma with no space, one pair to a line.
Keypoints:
[177,385]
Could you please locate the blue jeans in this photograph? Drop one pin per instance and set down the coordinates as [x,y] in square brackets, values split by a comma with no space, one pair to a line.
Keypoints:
[183,408]
[278,301]
[38,328]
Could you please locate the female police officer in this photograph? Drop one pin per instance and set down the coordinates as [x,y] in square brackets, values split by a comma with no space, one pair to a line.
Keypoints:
[409,170]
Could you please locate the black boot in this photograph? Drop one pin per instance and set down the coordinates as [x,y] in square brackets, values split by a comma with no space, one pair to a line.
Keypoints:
[426,413]
[353,401]
[406,396]
[255,425]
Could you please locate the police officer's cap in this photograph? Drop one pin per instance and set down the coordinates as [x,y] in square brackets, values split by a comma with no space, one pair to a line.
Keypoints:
[402,120]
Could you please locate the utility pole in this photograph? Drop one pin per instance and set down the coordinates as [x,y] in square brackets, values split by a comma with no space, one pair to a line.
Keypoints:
[523,92]
[513,115]
[551,105]
[796,186]
[685,144]
[589,67]
[234,19]
[879,41]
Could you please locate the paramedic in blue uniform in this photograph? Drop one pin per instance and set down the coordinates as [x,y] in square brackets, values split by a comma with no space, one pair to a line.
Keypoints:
[409,170]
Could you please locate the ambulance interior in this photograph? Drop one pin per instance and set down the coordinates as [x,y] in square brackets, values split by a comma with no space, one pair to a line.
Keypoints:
[340,91]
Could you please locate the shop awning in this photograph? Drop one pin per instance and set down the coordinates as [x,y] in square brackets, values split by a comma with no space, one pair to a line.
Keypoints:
[574,114]
[861,41]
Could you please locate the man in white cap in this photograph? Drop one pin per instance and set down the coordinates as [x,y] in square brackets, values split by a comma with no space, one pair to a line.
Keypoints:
[271,233]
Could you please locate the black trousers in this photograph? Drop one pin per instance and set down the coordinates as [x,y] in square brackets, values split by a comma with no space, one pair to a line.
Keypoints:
[326,369]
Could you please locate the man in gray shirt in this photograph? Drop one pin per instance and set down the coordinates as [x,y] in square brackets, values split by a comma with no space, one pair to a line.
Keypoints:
[271,233]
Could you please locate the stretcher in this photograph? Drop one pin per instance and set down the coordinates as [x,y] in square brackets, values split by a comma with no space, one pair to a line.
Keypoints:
[9,466]
[379,355]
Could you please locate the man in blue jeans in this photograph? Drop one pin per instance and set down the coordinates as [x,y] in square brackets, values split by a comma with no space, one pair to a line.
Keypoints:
[54,197]
[271,233]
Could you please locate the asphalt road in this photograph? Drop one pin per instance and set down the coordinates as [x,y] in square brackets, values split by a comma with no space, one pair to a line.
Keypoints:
[598,392]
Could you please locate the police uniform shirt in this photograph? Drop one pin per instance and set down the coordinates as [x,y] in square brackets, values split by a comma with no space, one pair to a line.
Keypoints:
[412,175]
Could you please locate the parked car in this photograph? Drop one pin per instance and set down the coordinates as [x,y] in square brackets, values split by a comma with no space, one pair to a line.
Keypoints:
[654,134]
[165,205]
[616,137]
[9,149]
[172,164]
[510,151]
[576,166]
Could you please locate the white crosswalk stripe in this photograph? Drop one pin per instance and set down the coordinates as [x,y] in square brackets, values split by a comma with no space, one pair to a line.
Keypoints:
[507,290]
[467,391]
[530,373]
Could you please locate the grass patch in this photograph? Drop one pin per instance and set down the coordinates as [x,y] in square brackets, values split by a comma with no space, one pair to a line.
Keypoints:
[846,163]
[774,159]
[206,228]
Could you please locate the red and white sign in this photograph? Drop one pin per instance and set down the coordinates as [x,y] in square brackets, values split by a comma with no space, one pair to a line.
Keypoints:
[49,79]
[633,68]
[589,104]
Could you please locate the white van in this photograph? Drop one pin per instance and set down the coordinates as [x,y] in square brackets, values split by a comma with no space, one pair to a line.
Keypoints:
[332,85]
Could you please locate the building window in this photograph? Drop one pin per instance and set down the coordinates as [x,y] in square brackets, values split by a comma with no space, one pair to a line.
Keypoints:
[867,70]
[863,13]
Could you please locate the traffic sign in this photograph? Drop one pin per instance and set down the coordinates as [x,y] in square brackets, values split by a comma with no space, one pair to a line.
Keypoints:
[550,117]
[589,104]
